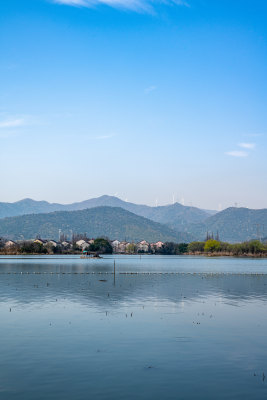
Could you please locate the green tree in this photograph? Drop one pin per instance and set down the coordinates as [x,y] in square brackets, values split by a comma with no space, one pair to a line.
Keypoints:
[168,248]
[212,246]
[256,247]
[33,248]
[102,246]
[196,247]
[181,248]
[131,249]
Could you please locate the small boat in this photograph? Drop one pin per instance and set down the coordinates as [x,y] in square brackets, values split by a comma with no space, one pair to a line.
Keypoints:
[90,254]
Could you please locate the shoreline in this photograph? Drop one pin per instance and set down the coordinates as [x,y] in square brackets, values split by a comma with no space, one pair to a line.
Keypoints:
[202,254]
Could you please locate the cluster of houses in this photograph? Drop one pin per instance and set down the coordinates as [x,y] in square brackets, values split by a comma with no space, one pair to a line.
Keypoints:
[117,246]
[140,247]
[52,243]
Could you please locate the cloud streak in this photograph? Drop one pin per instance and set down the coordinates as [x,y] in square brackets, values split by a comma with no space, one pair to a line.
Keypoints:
[242,153]
[12,123]
[133,5]
[249,146]
[237,153]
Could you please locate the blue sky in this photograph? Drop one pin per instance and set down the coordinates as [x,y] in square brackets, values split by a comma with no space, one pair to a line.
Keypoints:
[145,99]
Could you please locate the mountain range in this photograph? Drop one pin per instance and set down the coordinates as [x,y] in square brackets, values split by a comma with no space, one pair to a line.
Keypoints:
[112,222]
[173,222]
[233,225]
[174,215]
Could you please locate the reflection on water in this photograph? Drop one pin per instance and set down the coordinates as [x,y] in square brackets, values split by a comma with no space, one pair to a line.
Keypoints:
[70,329]
[142,263]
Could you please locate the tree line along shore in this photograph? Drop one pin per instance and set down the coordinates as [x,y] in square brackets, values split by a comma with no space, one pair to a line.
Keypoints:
[209,247]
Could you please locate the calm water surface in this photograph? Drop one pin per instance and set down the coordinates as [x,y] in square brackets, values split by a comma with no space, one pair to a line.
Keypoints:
[161,328]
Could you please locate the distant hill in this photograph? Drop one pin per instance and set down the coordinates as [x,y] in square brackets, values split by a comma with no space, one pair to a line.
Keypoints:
[233,224]
[175,215]
[27,206]
[112,222]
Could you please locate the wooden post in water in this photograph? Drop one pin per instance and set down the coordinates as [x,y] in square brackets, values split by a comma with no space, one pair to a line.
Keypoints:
[114,272]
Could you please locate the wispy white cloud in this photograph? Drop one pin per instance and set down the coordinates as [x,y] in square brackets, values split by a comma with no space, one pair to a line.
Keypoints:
[249,146]
[150,89]
[237,153]
[11,126]
[134,5]
[103,137]
[77,3]
[12,123]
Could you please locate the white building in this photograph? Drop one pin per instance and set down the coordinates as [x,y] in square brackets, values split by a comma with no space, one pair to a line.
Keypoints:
[115,245]
[143,246]
[81,243]
[10,243]
[52,243]
[66,244]
[122,247]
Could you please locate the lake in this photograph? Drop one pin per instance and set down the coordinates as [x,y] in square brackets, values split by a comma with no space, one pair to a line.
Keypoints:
[162,327]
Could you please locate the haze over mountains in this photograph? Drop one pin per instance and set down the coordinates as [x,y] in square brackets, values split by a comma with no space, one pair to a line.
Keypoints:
[233,225]
[174,214]
[106,215]
[112,222]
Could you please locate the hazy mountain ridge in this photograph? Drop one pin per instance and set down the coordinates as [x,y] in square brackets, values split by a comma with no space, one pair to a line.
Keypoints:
[112,222]
[175,215]
[233,225]
[27,206]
